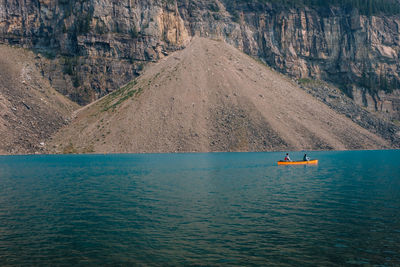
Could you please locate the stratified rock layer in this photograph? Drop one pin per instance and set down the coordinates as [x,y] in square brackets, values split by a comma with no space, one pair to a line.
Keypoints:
[103,44]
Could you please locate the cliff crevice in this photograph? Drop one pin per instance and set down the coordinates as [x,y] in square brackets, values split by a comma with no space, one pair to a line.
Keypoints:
[99,45]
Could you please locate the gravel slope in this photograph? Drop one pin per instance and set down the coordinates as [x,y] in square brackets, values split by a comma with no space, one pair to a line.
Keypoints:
[210,97]
[30,109]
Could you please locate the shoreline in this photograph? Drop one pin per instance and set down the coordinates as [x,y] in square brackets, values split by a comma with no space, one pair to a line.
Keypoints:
[194,152]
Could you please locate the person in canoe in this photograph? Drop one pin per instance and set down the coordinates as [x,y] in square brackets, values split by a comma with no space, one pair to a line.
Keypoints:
[287,158]
[305,158]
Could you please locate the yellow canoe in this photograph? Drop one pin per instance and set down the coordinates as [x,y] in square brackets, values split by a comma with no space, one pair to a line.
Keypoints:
[314,161]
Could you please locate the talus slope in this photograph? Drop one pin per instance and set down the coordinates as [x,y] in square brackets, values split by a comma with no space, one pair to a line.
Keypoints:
[210,97]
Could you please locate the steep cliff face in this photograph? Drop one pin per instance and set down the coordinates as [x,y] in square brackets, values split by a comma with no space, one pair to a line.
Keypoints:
[103,44]
[359,53]
[96,45]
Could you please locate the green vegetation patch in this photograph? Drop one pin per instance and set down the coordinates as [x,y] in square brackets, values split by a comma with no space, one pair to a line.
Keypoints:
[70,149]
[117,97]
[305,81]
[310,82]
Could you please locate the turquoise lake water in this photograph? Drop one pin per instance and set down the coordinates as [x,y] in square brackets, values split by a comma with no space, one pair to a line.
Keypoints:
[200,209]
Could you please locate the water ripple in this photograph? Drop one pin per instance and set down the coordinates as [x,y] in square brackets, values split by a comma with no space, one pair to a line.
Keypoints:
[200,209]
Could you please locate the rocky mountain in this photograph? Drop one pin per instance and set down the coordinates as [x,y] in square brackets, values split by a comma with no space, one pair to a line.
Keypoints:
[211,97]
[30,109]
[97,45]
[86,49]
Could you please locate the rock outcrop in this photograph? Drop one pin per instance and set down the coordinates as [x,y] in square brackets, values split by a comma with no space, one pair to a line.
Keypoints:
[96,46]
[374,122]
[104,44]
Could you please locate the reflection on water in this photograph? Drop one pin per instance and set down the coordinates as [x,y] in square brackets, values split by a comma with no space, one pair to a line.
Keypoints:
[200,209]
